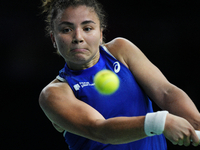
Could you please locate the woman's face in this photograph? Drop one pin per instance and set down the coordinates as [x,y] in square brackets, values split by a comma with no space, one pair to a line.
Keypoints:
[77,36]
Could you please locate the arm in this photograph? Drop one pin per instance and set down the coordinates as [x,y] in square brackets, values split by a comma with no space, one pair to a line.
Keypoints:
[66,112]
[158,88]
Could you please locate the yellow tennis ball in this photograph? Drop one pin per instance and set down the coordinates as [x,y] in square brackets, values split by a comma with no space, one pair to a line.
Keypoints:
[106,82]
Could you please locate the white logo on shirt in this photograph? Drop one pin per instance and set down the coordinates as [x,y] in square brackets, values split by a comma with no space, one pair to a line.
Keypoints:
[117,67]
[82,84]
[76,87]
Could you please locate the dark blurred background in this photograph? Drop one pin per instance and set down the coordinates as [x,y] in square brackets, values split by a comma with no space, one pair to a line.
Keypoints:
[167,31]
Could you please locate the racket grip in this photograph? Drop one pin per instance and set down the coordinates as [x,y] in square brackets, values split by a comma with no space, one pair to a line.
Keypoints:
[198,134]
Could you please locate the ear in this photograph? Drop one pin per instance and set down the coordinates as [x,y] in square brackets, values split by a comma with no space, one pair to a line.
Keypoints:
[101,36]
[53,40]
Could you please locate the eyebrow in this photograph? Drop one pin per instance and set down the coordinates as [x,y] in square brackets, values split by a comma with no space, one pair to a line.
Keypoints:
[71,24]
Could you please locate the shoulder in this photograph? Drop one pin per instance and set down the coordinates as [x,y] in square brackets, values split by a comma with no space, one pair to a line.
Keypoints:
[122,49]
[53,91]
[117,43]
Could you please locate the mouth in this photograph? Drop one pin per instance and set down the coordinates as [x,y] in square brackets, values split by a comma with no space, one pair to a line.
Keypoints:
[79,50]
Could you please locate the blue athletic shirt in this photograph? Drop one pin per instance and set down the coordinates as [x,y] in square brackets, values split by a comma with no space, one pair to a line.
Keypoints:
[129,100]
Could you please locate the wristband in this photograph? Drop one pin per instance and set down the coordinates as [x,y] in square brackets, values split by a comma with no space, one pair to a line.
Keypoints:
[198,134]
[155,123]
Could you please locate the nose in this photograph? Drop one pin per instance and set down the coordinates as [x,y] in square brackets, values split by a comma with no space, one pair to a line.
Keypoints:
[77,37]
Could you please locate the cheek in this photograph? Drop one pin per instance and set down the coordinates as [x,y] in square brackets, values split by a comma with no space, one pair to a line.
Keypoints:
[95,39]
[62,43]
[62,48]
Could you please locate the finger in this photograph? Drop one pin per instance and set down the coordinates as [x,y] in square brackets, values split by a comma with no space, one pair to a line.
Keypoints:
[194,139]
[174,142]
[187,141]
[180,142]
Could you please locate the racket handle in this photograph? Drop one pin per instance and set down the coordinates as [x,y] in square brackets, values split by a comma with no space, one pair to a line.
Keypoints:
[198,134]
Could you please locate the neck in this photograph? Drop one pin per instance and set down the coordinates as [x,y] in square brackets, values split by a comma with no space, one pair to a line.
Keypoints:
[81,66]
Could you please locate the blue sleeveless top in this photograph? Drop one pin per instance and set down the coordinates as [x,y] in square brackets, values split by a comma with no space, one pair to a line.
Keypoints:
[128,100]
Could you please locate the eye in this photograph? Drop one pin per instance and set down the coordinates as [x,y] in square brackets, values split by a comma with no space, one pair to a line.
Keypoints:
[87,29]
[66,30]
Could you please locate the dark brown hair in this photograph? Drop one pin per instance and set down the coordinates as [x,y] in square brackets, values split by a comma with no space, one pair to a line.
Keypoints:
[51,8]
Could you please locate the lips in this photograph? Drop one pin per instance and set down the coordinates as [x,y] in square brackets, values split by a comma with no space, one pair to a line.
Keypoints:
[79,50]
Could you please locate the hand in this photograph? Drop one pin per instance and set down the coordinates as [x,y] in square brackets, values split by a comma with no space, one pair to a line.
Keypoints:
[59,129]
[179,131]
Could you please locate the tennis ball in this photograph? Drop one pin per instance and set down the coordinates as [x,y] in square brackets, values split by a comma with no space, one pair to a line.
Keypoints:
[106,82]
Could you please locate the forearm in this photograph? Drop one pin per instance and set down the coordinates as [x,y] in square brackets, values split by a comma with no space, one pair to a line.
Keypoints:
[178,103]
[75,116]
[121,130]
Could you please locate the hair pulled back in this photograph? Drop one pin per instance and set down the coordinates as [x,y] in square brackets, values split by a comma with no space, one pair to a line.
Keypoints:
[51,8]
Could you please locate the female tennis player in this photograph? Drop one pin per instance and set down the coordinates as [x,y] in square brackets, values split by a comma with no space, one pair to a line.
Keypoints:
[124,120]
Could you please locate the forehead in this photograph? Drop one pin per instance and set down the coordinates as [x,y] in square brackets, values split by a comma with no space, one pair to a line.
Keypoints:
[77,15]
